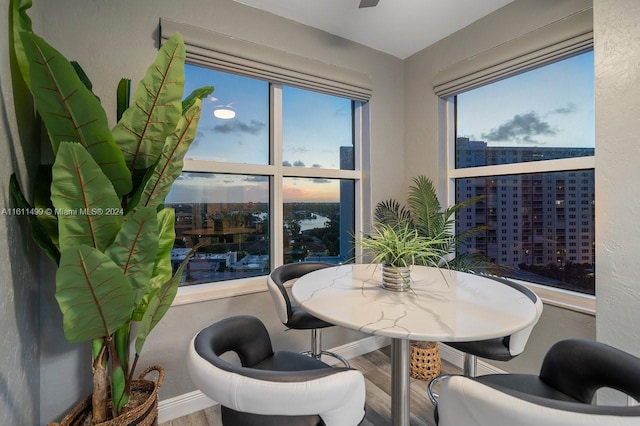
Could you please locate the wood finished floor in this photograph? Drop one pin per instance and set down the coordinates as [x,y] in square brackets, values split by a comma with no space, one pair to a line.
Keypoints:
[376,368]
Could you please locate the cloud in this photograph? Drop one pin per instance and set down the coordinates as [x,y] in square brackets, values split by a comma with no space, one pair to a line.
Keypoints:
[321,180]
[570,108]
[256,179]
[297,149]
[237,126]
[522,128]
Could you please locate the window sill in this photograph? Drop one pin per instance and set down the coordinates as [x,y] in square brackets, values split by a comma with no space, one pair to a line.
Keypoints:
[220,290]
[571,300]
[565,299]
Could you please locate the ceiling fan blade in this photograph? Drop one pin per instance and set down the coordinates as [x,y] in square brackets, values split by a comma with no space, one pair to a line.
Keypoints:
[368,3]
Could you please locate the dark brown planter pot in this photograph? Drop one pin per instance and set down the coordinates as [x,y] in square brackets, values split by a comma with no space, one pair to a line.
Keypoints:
[145,414]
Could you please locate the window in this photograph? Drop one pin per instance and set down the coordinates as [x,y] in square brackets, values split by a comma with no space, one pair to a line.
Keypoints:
[275,183]
[533,132]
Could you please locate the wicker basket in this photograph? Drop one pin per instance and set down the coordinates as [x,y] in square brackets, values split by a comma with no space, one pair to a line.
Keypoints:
[145,414]
[425,360]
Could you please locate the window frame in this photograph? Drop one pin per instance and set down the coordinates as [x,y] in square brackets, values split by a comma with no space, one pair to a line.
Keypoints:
[567,299]
[553,42]
[279,68]
[276,172]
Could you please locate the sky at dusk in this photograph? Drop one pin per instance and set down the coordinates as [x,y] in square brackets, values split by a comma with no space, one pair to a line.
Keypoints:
[314,127]
[552,106]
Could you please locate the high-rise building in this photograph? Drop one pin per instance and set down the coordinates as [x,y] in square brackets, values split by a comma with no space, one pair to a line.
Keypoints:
[534,219]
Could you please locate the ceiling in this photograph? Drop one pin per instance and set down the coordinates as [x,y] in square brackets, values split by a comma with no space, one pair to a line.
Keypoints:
[398,27]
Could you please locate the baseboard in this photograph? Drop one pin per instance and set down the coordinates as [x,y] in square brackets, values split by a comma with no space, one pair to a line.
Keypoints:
[357,348]
[185,404]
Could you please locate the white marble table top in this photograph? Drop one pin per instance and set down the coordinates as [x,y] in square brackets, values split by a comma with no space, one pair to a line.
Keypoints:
[443,305]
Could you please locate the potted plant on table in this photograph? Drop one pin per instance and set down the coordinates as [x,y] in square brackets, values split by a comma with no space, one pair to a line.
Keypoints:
[398,247]
[427,218]
[425,215]
[99,213]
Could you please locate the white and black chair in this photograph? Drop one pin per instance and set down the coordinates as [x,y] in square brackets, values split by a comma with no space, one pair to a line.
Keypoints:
[561,395]
[501,348]
[498,349]
[292,315]
[281,388]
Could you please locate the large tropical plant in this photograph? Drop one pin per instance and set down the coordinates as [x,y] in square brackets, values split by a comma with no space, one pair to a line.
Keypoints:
[424,213]
[98,211]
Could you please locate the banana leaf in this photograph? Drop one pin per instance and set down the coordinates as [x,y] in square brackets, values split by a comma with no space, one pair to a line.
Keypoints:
[160,304]
[167,169]
[199,93]
[39,233]
[155,108]
[21,22]
[42,202]
[84,78]
[135,248]
[123,93]
[93,294]
[88,207]
[162,268]
[71,113]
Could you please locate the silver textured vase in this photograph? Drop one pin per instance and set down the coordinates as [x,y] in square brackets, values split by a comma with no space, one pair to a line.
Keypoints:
[396,278]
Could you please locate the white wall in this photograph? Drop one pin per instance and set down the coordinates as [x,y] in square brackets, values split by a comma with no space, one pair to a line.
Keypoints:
[617,70]
[115,39]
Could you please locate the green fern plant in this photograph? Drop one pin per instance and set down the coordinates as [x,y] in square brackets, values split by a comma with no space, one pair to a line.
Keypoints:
[425,215]
[100,211]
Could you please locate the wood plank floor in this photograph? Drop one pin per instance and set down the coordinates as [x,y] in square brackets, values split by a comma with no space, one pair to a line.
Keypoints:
[376,368]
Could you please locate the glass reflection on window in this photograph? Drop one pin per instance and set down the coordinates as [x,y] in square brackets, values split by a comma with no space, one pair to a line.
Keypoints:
[229,216]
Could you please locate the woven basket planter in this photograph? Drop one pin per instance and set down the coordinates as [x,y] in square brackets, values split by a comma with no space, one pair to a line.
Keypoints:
[425,360]
[145,414]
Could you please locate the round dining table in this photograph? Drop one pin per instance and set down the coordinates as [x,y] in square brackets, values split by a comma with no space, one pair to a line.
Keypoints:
[441,305]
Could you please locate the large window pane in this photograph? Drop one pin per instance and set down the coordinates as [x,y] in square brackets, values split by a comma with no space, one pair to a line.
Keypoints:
[243,138]
[541,226]
[229,216]
[543,114]
[317,130]
[318,220]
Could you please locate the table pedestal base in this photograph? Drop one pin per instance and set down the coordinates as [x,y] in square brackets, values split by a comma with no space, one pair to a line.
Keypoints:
[400,383]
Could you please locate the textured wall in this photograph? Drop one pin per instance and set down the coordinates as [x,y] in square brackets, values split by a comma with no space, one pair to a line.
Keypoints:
[617,68]
[19,308]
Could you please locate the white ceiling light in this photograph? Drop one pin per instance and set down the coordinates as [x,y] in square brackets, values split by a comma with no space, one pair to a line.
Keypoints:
[224,112]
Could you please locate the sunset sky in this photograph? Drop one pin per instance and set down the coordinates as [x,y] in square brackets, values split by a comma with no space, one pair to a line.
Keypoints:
[315,126]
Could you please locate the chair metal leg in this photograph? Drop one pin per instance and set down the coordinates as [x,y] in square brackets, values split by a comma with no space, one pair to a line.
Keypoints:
[431,393]
[316,348]
[470,370]
[470,365]
[316,343]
